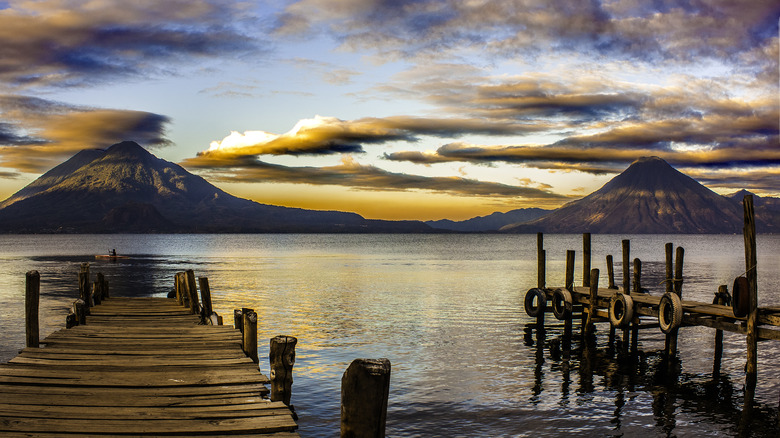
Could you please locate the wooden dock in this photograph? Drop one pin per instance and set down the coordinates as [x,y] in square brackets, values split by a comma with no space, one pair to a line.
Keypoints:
[139,367]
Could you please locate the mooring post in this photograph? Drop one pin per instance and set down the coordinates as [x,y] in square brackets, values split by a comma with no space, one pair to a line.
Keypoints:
[586,259]
[177,285]
[669,263]
[80,310]
[751,260]
[592,306]
[250,334]
[32,294]
[611,272]
[541,262]
[100,287]
[238,320]
[192,291]
[84,293]
[637,289]
[626,247]
[365,387]
[569,285]
[205,296]
[723,290]
[282,358]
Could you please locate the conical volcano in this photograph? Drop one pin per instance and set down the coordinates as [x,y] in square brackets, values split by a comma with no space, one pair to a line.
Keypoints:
[127,189]
[649,197]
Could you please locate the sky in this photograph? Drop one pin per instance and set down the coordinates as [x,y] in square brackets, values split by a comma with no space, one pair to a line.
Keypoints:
[402,109]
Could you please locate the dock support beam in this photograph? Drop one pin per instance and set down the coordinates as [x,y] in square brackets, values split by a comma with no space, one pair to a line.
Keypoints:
[365,387]
[586,259]
[723,291]
[32,293]
[282,358]
[749,232]
[590,326]
[626,244]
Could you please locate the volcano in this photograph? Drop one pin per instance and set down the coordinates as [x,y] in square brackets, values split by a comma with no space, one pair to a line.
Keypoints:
[127,189]
[650,197]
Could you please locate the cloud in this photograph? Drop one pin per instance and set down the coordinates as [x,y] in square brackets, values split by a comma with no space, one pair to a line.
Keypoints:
[72,42]
[762,181]
[38,133]
[350,173]
[684,32]
[329,72]
[329,135]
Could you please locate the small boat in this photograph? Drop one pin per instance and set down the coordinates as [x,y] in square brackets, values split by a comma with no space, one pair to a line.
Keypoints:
[111,256]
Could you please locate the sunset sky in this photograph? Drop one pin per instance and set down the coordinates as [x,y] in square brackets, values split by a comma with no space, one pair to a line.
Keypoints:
[402,109]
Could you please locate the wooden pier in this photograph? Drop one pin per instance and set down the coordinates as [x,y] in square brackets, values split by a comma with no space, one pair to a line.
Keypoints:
[630,308]
[139,367]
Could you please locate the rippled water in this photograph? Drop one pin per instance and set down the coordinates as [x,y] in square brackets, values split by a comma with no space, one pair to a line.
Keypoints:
[447,311]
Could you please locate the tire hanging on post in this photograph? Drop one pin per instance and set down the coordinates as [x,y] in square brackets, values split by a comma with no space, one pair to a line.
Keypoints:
[670,312]
[740,297]
[621,310]
[562,304]
[541,302]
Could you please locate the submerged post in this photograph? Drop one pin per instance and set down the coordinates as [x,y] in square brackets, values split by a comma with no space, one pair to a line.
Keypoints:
[749,233]
[32,293]
[250,334]
[282,358]
[585,259]
[365,387]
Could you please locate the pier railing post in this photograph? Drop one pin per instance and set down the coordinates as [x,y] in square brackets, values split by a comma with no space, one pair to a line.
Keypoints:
[32,293]
[365,387]
[282,359]
[250,334]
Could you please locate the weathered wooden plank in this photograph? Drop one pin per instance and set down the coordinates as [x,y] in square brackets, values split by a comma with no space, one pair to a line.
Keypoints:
[278,423]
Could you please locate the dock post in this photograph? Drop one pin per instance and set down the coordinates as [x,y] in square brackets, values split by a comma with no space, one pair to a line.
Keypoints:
[177,285]
[205,297]
[192,291]
[637,288]
[250,334]
[569,285]
[238,320]
[541,262]
[594,290]
[100,287]
[84,293]
[365,387]
[676,286]
[626,246]
[586,259]
[32,294]
[723,290]
[80,309]
[749,232]
[282,358]
[611,280]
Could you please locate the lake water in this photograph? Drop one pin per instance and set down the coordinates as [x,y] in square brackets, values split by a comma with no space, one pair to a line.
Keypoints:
[447,310]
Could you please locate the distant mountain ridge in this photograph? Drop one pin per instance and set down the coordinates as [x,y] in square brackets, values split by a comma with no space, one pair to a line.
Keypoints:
[651,197]
[491,222]
[127,189]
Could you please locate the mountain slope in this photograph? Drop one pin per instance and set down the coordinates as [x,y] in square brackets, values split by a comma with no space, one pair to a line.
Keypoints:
[127,189]
[491,222]
[648,197]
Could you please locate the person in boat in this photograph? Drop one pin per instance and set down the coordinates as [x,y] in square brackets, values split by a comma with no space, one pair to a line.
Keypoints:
[113,252]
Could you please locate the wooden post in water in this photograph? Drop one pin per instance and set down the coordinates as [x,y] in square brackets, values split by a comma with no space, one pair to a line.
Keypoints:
[32,294]
[637,289]
[723,290]
[541,262]
[677,282]
[205,296]
[282,358]
[626,283]
[192,291]
[84,293]
[611,272]
[669,263]
[250,334]
[365,387]
[569,284]
[586,259]
[751,272]
[594,289]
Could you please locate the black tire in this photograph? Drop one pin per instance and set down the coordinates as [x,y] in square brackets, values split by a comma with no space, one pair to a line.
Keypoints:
[670,312]
[541,302]
[621,310]
[740,297]
[562,304]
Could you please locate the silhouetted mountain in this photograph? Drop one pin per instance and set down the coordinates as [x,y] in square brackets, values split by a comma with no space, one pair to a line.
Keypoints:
[127,189]
[649,197]
[492,222]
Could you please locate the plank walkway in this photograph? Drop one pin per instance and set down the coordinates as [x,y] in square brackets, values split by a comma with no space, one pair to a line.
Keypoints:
[139,367]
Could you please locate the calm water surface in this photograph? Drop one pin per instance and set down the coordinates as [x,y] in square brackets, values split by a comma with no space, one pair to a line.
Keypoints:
[447,311]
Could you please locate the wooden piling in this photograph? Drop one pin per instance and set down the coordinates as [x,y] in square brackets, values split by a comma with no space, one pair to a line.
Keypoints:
[238,320]
[637,289]
[192,291]
[669,283]
[569,284]
[751,272]
[282,359]
[626,247]
[594,290]
[541,260]
[723,290]
[678,270]
[365,387]
[611,272]
[205,296]
[84,286]
[586,259]
[250,334]
[32,294]
[80,310]
[177,285]
[676,286]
